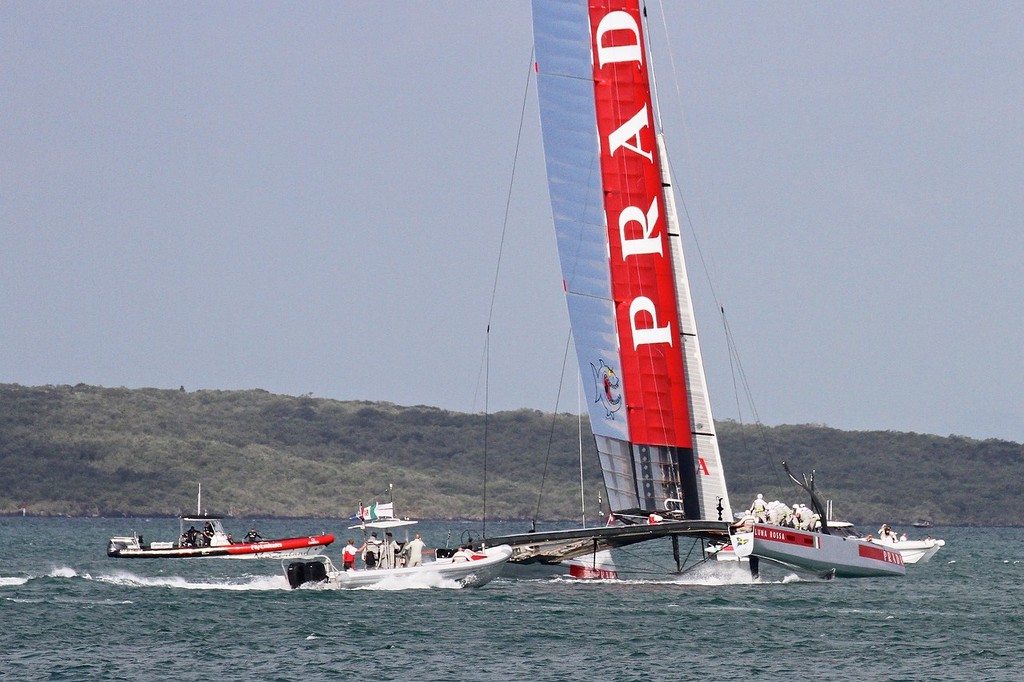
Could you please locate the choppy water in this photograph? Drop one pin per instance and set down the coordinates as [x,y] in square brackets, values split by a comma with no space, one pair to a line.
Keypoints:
[67,612]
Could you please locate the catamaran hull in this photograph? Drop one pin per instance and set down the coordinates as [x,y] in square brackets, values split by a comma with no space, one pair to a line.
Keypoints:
[286,548]
[473,573]
[818,553]
[598,565]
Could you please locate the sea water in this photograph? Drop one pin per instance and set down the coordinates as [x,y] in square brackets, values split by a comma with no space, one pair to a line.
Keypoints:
[67,612]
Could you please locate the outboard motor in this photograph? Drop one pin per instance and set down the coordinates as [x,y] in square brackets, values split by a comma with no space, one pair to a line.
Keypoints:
[316,572]
[301,572]
[296,573]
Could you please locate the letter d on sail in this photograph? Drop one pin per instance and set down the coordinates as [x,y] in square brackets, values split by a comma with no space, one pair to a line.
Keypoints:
[618,21]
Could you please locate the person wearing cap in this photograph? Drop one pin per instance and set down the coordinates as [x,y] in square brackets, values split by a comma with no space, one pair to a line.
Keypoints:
[371,550]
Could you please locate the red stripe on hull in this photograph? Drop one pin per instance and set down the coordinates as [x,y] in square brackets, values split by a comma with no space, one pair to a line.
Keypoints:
[890,556]
[590,573]
[790,537]
[280,545]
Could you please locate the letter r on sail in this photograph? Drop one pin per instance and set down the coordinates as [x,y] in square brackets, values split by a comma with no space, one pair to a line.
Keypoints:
[644,244]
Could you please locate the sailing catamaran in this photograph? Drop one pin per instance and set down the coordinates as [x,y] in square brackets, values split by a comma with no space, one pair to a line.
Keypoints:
[628,296]
[625,285]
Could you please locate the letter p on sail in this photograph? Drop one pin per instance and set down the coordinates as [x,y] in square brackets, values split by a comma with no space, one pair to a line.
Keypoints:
[651,334]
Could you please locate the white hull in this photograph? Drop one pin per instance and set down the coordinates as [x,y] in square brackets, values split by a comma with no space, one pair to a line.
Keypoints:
[384,524]
[473,573]
[818,553]
[914,551]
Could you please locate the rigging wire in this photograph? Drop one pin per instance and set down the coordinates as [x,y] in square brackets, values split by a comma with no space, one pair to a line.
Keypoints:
[508,204]
[487,411]
[579,438]
[654,567]
[551,432]
[485,360]
[739,376]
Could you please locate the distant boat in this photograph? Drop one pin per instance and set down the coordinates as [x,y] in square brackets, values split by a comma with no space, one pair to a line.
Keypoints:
[380,514]
[210,540]
[922,523]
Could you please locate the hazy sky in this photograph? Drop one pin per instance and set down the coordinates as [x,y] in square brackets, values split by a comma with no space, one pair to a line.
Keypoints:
[311,197]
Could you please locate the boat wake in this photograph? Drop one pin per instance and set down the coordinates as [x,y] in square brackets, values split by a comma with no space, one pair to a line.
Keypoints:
[244,584]
[128,579]
[7,582]
[711,574]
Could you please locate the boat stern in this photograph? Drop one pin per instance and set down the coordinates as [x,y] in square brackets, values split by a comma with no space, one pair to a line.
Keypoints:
[117,545]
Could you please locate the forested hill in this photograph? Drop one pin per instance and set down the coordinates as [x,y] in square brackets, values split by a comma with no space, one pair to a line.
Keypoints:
[87,451]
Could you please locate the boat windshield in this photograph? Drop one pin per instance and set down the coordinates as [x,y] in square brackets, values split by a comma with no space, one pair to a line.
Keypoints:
[200,523]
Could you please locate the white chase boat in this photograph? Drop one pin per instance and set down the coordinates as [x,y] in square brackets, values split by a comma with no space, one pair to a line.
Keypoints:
[475,570]
[914,551]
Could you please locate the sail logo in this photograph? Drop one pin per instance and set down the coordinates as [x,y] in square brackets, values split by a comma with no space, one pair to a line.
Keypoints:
[641,273]
[607,388]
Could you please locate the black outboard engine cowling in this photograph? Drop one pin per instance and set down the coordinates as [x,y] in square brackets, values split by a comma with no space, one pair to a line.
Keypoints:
[301,572]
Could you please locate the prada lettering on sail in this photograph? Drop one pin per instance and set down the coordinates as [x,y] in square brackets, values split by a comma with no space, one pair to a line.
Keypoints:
[642,280]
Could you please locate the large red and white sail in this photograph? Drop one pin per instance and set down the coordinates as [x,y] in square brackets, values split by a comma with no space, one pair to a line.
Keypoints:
[622,264]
